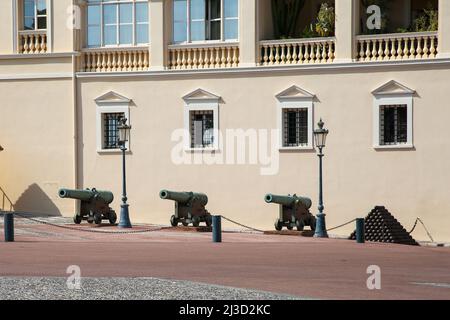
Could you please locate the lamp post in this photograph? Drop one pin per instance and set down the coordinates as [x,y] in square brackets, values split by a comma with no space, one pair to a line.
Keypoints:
[320,136]
[124,132]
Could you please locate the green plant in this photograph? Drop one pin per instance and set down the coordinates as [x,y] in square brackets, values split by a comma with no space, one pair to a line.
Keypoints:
[285,16]
[427,21]
[309,32]
[402,30]
[325,20]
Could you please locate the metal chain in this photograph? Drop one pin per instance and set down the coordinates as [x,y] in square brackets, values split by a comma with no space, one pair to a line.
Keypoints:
[242,225]
[423,224]
[342,225]
[254,229]
[88,230]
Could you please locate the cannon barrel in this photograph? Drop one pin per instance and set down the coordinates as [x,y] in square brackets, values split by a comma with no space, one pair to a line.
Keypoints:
[288,201]
[86,195]
[183,197]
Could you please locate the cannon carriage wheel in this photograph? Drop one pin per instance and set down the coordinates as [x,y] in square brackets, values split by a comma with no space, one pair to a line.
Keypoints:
[77,219]
[208,221]
[173,221]
[112,217]
[278,224]
[98,218]
[196,221]
[300,225]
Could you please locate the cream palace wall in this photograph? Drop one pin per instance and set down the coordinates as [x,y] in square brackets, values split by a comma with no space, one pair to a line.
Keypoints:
[37,124]
[410,183]
[36,132]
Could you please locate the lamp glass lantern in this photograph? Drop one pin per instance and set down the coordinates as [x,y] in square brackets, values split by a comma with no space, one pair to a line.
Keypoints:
[124,131]
[320,135]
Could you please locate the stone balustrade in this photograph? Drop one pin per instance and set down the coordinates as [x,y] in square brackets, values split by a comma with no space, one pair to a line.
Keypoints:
[32,42]
[297,51]
[204,56]
[399,46]
[115,59]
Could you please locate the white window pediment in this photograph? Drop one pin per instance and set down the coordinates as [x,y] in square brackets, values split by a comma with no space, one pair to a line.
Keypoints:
[112,98]
[295,93]
[393,88]
[296,133]
[201,95]
[393,116]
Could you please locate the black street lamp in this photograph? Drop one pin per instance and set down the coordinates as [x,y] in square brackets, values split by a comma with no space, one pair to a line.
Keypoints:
[124,132]
[320,136]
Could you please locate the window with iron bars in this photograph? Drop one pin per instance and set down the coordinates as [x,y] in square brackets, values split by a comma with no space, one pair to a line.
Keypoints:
[393,125]
[110,130]
[202,126]
[295,127]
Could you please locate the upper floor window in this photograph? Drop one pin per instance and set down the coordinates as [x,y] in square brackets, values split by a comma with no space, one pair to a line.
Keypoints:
[117,22]
[35,14]
[203,20]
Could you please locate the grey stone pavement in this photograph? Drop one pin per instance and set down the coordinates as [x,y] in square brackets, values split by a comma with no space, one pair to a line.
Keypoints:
[49,288]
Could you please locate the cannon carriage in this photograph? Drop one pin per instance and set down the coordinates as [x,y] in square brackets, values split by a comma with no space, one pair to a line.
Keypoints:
[94,205]
[190,208]
[293,212]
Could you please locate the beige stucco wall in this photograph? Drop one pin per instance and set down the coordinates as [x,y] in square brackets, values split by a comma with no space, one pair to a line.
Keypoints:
[36,130]
[410,183]
[6,27]
[25,65]
[36,133]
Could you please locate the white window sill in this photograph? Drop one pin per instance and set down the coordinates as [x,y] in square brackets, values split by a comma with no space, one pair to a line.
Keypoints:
[395,147]
[112,151]
[302,148]
[201,150]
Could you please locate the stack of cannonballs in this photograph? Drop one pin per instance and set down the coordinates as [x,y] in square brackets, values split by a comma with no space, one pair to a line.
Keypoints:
[381,226]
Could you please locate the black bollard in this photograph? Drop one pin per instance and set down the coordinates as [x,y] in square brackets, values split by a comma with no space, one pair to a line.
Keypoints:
[217,228]
[360,234]
[9,227]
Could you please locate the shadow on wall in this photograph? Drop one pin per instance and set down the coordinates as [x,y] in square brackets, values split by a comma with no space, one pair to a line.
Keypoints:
[35,201]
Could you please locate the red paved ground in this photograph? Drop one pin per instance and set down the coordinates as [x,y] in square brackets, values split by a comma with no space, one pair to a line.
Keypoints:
[307,267]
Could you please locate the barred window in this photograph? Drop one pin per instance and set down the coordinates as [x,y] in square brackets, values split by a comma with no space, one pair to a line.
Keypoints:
[110,129]
[295,127]
[201,127]
[393,124]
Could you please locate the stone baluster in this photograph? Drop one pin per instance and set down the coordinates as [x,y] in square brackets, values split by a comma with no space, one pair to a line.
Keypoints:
[283,55]
[223,61]
[406,49]
[235,57]
[331,53]
[433,47]
[419,47]
[426,50]
[380,49]
[294,53]
[412,49]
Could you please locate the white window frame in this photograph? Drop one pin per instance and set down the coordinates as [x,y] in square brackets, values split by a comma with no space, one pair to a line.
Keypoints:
[105,106]
[207,28]
[207,102]
[117,24]
[295,98]
[36,15]
[404,96]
